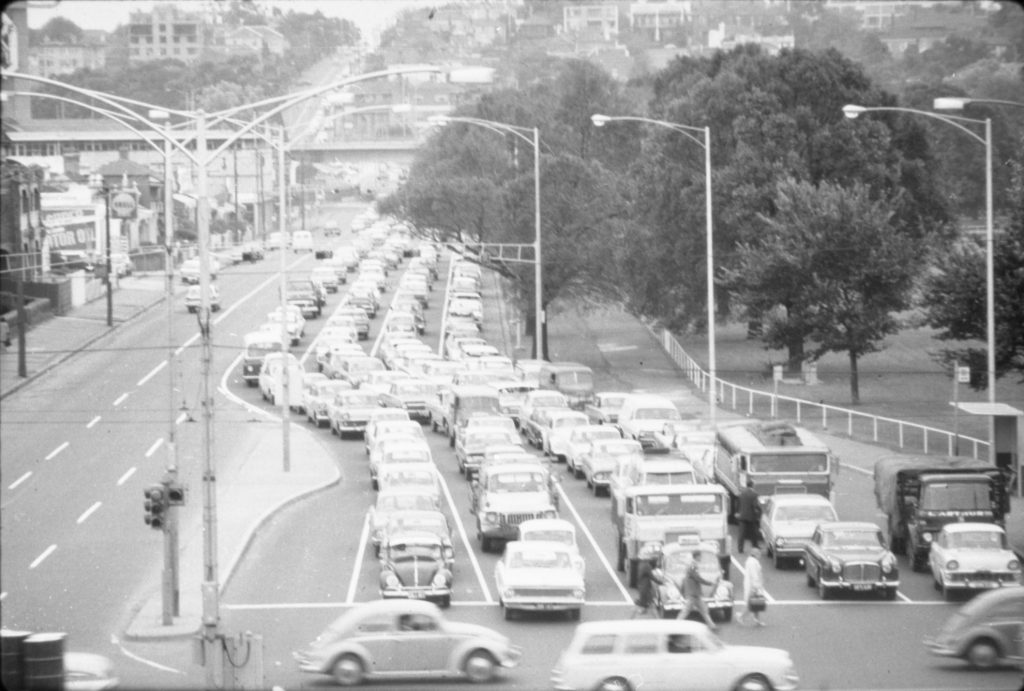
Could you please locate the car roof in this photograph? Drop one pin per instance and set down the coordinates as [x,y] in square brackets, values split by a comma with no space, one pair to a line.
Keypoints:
[547,524]
[630,626]
[536,546]
[848,525]
[799,499]
[674,466]
[972,527]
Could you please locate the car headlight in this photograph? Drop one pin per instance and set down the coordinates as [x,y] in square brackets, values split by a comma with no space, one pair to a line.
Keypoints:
[927,537]
[578,593]
[491,517]
[888,563]
[550,513]
[391,581]
[834,565]
[952,565]
[508,593]
[780,541]
[440,580]
[449,553]
[1013,565]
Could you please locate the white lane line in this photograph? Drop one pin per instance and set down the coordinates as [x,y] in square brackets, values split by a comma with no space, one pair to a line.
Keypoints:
[20,480]
[180,349]
[156,445]
[626,596]
[39,560]
[465,540]
[120,399]
[92,423]
[155,665]
[858,469]
[3,595]
[124,478]
[57,450]
[152,372]
[231,396]
[903,597]
[88,512]
[739,567]
[181,418]
[589,603]
[358,566]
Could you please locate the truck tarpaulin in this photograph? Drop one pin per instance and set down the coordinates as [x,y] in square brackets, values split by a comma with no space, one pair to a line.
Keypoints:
[888,468]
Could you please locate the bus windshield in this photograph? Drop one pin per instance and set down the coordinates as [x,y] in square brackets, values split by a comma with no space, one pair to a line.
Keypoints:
[678,504]
[789,463]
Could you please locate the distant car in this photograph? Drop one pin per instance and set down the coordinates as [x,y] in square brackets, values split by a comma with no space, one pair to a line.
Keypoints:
[194,299]
[850,556]
[788,522]
[679,655]
[986,632]
[316,400]
[419,477]
[972,556]
[604,409]
[434,522]
[553,530]
[399,639]
[398,450]
[350,412]
[539,576]
[470,447]
[600,462]
[392,501]
[580,441]
[325,276]
[413,566]
[189,270]
[673,561]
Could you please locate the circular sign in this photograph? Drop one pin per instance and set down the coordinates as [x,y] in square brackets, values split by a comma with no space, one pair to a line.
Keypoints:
[123,204]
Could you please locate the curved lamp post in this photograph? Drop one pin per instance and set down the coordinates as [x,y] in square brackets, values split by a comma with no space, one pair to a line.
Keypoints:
[852,111]
[687,131]
[530,135]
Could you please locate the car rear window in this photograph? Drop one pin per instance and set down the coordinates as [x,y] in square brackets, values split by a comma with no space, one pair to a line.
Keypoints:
[642,643]
[600,644]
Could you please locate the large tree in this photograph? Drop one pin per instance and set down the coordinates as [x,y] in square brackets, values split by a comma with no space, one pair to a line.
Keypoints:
[828,264]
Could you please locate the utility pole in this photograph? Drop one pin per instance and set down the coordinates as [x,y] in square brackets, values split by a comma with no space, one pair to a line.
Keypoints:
[285,341]
[171,593]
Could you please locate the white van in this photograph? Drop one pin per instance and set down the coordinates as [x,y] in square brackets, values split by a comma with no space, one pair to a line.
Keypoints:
[302,241]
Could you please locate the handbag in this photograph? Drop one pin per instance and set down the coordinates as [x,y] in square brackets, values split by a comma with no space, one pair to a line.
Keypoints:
[757,603]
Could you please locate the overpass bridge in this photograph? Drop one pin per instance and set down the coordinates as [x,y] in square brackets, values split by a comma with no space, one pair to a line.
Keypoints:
[398,152]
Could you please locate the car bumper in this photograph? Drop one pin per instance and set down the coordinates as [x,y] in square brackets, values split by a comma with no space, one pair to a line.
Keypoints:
[980,580]
[353,426]
[860,586]
[429,594]
[675,606]
[543,605]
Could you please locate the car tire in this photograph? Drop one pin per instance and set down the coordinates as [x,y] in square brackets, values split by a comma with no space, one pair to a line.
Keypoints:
[614,684]
[634,572]
[620,559]
[753,682]
[574,614]
[810,580]
[445,602]
[983,654]
[727,614]
[507,612]
[890,594]
[480,666]
[824,592]
[347,670]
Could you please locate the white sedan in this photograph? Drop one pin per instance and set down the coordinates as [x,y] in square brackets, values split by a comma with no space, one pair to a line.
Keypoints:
[539,576]
[971,557]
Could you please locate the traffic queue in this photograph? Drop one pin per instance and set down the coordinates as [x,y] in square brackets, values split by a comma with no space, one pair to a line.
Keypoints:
[673,485]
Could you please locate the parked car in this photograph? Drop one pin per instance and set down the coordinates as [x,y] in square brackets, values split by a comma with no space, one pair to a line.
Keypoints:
[539,576]
[969,557]
[788,522]
[400,639]
[850,556]
[669,655]
[986,632]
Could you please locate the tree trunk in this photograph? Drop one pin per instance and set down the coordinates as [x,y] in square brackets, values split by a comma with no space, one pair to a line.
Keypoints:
[795,348]
[854,379]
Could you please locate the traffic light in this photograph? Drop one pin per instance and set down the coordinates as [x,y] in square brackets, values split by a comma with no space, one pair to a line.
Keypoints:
[156,506]
[175,494]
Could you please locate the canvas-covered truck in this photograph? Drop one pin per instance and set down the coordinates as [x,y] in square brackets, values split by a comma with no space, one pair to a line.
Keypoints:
[921,494]
[778,457]
[654,514]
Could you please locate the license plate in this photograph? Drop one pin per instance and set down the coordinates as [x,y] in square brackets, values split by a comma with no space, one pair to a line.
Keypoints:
[862,586]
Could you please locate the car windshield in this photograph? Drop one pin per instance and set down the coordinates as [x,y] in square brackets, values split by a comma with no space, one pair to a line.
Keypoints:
[656,414]
[610,401]
[540,559]
[407,478]
[816,514]
[852,539]
[678,504]
[261,348]
[417,388]
[426,524]
[410,552]
[978,539]
[678,560]
[487,404]
[961,496]
[518,482]
[563,536]
[407,455]
[789,463]
[677,478]
[359,399]
[567,422]
[576,378]
[399,502]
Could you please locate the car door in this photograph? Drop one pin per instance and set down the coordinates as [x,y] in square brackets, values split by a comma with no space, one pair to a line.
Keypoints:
[421,644]
[812,553]
[645,664]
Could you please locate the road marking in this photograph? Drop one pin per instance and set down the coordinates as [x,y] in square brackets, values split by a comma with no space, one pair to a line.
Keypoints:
[155,665]
[120,399]
[181,418]
[88,512]
[124,478]
[156,445]
[857,469]
[601,603]
[20,480]
[57,450]
[614,348]
[275,278]
[600,553]
[739,567]
[903,597]
[3,595]
[92,423]
[39,560]
[151,373]
[363,537]
[465,540]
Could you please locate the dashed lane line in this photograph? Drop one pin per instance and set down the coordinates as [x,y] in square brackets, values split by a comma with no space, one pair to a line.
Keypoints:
[39,560]
[56,451]
[120,399]
[156,445]
[20,480]
[92,423]
[364,535]
[88,512]
[256,606]
[124,478]
[152,373]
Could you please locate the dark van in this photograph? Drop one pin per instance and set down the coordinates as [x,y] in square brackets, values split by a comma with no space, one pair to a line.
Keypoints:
[572,379]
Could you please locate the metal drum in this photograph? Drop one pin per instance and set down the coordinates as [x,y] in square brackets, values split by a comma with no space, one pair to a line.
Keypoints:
[12,668]
[44,661]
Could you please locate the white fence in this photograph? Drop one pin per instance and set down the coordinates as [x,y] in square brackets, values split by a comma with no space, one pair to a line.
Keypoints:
[884,430]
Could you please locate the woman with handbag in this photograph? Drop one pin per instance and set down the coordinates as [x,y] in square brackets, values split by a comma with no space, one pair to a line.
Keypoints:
[753,588]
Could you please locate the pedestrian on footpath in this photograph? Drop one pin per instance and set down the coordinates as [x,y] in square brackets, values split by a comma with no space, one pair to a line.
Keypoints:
[753,589]
[693,592]
[748,516]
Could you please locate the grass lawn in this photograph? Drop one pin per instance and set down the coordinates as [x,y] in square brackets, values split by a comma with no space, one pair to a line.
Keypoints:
[902,381]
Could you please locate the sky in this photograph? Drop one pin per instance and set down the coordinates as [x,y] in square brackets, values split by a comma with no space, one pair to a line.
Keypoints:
[371,16]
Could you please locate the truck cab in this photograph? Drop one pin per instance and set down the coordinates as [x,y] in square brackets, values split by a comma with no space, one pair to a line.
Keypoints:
[506,496]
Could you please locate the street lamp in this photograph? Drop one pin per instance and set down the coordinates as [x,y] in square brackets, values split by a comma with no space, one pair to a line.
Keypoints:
[687,131]
[521,132]
[97,184]
[852,111]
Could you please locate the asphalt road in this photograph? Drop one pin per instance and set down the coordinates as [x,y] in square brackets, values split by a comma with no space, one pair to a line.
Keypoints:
[310,562]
